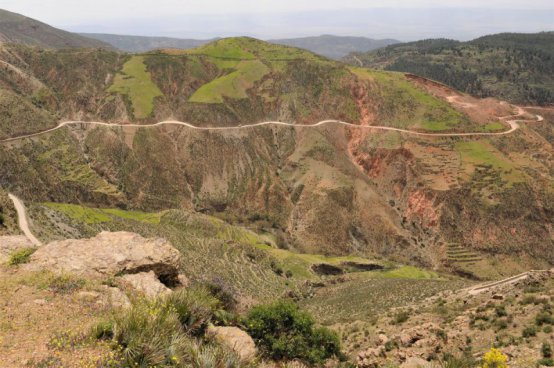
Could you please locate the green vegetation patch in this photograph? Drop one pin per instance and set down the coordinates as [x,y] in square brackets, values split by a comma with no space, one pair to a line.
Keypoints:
[135,82]
[20,256]
[233,85]
[403,105]
[96,215]
[482,153]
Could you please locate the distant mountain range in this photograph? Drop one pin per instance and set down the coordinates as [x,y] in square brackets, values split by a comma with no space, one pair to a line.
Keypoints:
[334,47]
[144,43]
[16,28]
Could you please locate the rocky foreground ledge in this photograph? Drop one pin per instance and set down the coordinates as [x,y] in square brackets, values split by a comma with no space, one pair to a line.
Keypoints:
[150,266]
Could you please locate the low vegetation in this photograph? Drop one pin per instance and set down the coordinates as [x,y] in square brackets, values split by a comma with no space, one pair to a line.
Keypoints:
[134,81]
[20,256]
[284,332]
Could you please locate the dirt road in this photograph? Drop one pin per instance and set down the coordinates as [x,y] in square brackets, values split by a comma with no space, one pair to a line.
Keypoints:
[22,220]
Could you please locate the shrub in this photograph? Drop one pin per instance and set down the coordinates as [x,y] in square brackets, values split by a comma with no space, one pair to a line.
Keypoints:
[547,329]
[223,292]
[549,362]
[20,256]
[495,359]
[284,332]
[529,331]
[161,332]
[464,361]
[400,318]
[546,350]
[544,318]
[500,311]
[65,284]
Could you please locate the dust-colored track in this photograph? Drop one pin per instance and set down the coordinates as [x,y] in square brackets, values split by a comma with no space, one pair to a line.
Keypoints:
[513,127]
[22,220]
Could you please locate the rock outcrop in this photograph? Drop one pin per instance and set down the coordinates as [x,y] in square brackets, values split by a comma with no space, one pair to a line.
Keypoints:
[110,254]
[12,243]
[236,339]
[146,283]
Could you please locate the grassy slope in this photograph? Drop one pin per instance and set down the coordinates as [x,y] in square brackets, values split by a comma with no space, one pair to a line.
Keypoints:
[247,261]
[134,81]
[403,105]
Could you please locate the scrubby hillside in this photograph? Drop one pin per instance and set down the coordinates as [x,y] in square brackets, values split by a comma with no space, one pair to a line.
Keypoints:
[440,201]
[510,66]
[18,29]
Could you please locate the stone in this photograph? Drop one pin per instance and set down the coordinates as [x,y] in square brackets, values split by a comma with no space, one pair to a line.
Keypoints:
[383,339]
[12,243]
[236,339]
[88,295]
[415,362]
[146,283]
[183,280]
[109,254]
[40,301]
[114,297]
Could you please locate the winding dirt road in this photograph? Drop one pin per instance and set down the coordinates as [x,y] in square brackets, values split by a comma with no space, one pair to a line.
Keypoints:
[22,220]
[513,127]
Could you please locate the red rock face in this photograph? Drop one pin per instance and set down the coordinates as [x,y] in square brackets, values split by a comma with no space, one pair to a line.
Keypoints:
[421,207]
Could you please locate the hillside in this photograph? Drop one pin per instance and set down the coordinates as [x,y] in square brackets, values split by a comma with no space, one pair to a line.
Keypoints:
[144,43]
[330,189]
[16,28]
[515,67]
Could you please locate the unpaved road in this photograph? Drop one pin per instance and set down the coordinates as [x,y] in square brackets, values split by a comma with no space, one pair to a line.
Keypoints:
[22,220]
[477,289]
[513,127]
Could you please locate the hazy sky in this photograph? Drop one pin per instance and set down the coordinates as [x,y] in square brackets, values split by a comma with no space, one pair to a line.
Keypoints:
[403,19]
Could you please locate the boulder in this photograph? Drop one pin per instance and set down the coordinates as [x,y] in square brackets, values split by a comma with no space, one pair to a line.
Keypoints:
[146,283]
[114,297]
[415,362]
[236,339]
[12,243]
[109,254]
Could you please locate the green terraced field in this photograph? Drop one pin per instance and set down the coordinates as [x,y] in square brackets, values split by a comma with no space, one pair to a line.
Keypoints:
[134,81]
[233,85]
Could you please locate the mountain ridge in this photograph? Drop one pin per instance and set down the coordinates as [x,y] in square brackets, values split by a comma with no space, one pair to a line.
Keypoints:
[16,28]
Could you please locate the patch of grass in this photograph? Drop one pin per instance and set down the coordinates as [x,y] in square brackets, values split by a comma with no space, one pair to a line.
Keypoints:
[233,85]
[153,218]
[80,213]
[410,272]
[89,215]
[481,152]
[494,127]
[135,82]
[406,106]
[20,256]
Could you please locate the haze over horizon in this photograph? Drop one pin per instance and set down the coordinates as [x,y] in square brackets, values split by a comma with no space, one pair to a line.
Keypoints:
[404,20]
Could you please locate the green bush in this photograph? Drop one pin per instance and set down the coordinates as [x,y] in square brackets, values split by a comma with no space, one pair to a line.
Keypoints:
[283,332]
[463,361]
[167,332]
[546,350]
[529,331]
[20,256]
[549,362]
[544,318]
[400,317]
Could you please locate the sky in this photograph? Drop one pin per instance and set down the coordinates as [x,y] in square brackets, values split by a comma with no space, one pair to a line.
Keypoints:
[401,19]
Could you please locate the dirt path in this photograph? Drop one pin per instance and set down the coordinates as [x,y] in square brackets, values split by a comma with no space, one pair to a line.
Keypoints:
[513,127]
[510,280]
[22,220]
